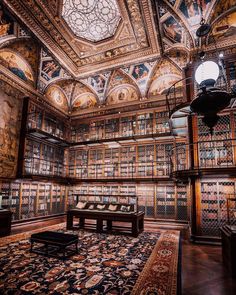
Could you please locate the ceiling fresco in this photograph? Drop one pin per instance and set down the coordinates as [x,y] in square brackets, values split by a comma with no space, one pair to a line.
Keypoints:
[165,74]
[81,56]
[57,97]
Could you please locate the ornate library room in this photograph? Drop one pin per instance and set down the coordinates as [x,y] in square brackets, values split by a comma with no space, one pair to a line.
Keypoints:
[118,147]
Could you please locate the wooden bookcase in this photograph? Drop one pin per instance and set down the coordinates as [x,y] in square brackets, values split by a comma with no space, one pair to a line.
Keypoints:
[42,158]
[129,161]
[121,126]
[212,204]
[41,119]
[33,199]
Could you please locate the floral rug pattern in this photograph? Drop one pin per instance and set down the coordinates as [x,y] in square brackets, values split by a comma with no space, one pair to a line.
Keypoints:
[105,264]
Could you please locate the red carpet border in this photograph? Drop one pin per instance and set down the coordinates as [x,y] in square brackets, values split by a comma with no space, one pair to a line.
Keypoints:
[159,275]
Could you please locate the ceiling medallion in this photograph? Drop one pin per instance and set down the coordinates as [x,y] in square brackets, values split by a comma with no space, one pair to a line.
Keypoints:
[93,20]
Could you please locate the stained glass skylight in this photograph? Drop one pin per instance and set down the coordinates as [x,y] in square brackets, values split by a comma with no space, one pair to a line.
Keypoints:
[94,20]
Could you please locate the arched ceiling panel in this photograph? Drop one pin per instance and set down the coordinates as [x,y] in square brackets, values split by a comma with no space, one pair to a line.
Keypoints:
[49,71]
[57,97]
[120,77]
[16,63]
[122,94]
[224,29]
[29,49]
[86,100]
[165,75]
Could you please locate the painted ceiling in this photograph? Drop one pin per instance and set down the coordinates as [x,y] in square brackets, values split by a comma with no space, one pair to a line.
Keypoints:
[81,55]
[92,20]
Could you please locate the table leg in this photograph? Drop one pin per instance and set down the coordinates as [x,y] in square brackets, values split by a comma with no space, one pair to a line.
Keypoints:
[69,223]
[141,225]
[135,228]
[81,222]
[109,224]
[99,225]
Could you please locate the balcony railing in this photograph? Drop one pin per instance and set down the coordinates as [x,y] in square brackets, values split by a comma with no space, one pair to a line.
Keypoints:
[206,155]
[132,170]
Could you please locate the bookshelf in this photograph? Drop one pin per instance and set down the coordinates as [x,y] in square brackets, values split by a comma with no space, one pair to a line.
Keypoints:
[163,152]
[144,124]
[33,199]
[127,126]
[140,124]
[40,119]
[213,204]
[43,159]
[162,122]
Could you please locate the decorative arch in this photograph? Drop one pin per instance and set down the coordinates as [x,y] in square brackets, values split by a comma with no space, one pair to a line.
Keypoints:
[17,64]
[179,55]
[122,94]
[224,27]
[120,77]
[84,100]
[57,97]
[165,74]
[29,49]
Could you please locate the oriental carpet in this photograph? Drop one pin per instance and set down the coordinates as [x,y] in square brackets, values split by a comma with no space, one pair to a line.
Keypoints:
[105,264]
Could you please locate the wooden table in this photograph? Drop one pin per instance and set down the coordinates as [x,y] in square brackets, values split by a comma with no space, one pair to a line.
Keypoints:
[54,244]
[135,218]
[228,234]
[5,222]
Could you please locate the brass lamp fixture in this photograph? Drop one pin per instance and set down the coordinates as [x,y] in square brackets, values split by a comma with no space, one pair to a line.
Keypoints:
[210,99]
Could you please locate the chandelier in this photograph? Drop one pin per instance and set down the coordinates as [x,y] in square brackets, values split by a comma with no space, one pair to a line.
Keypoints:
[211,98]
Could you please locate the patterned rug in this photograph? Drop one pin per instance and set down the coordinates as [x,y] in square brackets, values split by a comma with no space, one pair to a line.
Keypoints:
[106,264]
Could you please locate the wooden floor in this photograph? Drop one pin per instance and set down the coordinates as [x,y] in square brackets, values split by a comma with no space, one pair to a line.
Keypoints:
[202,269]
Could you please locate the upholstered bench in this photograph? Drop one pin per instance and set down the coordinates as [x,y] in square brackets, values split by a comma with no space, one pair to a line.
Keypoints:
[55,244]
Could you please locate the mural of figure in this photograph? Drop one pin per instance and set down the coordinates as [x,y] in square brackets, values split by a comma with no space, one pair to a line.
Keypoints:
[140,71]
[121,96]
[9,134]
[51,69]
[98,83]
[13,66]
[173,30]
[17,65]
[193,9]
